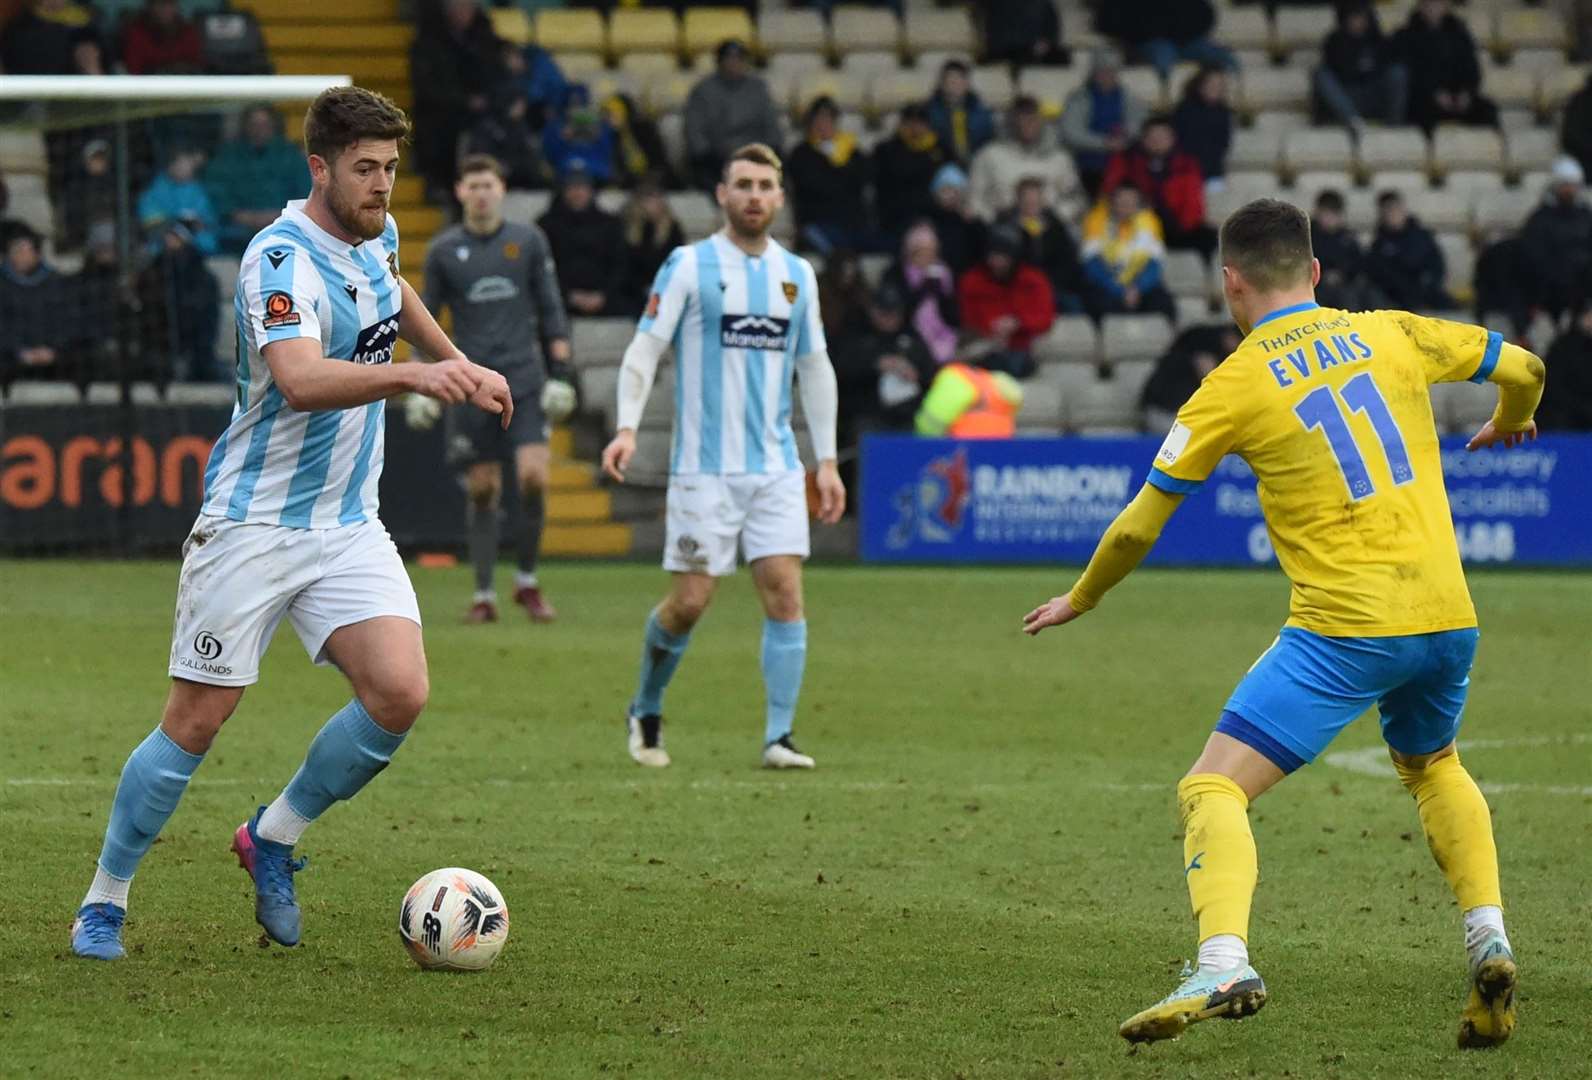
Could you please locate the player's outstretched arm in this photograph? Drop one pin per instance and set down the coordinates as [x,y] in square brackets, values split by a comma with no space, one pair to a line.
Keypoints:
[1124,545]
[418,328]
[636,372]
[310,381]
[1520,376]
[815,375]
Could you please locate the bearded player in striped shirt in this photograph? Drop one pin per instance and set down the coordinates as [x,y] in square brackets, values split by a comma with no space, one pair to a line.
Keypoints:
[289,525]
[742,315]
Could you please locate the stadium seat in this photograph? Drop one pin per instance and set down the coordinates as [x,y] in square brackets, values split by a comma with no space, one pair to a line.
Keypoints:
[580,66]
[1145,84]
[1050,85]
[698,217]
[1393,148]
[1446,404]
[643,66]
[1192,311]
[1255,148]
[792,31]
[666,92]
[889,91]
[526,206]
[928,29]
[1185,274]
[1558,85]
[864,29]
[40,392]
[1071,339]
[572,30]
[1090,402]
[929,62]
[1467,412]
[705,28]
[1483,23]
[1531,149]
[1441,210]
[1042,402]
[1530,28]
[865,65]
[1308,185]
[599,342]
[1503,211]
[1474,181]
[654,30]
[1267,89]
[1466,148]
[782,82]
[1250,59]
[1512,87]
[1302,28]
[671,131]
[1317,148]
[850,91]
[21,152]
[1243,28]
[599,390]
[994,84]
[1134,337]
[1399,180]
[1460,258]
[512,24]
[605,84]
[794,63]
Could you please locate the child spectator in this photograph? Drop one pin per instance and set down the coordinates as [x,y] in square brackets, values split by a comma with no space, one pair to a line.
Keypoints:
[1123,254]
[959,229]
[1170,180]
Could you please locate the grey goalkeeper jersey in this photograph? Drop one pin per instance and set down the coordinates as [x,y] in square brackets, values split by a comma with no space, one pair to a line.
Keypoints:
[503,292]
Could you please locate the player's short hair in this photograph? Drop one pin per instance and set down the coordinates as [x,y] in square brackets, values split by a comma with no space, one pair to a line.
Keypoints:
[758,154]
[471,164]
[1268,242]
[342,115]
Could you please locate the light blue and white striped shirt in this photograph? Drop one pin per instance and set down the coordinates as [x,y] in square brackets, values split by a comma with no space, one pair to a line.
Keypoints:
[273,464]
[738,323]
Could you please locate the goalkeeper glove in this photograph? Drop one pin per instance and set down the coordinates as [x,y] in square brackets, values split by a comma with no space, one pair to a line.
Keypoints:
[421,412]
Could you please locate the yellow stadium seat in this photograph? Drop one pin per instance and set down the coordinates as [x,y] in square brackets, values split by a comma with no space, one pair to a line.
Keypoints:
[1531,28]
[512,24]
[644,66]
[865,29]
[572,30]
[579,66]
[632,30]
[1559,86]
[792,31]
[849,91]
[891,90]
[667,92]
[706,27]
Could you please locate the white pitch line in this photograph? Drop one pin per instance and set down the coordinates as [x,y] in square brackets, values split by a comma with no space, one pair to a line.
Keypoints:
[1373,761]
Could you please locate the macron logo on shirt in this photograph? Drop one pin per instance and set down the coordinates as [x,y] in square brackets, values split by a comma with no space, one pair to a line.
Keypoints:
[761,332]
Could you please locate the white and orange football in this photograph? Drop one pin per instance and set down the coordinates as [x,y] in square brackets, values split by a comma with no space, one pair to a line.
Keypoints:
[454,919]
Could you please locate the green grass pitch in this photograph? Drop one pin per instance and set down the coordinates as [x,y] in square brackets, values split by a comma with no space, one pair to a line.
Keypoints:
[981,879]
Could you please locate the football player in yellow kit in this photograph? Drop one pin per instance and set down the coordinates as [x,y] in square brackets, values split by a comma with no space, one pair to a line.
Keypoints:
[1332,412]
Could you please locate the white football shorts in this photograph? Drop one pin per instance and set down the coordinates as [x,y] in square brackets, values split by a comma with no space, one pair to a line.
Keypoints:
[707,514]
[239,578]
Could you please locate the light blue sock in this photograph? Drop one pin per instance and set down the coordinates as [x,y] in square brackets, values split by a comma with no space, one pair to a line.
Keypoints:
[784,660]
[660,655]
[153,780]
[343,757]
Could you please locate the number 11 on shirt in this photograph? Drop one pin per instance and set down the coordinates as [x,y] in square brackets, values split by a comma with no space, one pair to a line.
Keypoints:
[1320,409]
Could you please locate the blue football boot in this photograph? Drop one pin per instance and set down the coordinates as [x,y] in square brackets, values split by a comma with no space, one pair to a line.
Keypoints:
[97,932]
[272,867]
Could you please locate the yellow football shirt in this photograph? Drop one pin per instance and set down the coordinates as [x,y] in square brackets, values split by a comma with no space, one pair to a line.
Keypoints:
[1331,409]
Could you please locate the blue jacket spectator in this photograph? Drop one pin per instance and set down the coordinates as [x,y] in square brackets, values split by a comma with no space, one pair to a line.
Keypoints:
[1100,118]
[581,139]
[543,84]
[958,116]
[1123,255]
[177,196]
[253,176]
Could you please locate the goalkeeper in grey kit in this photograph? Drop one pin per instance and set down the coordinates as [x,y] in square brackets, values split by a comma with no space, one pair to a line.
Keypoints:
[498,280]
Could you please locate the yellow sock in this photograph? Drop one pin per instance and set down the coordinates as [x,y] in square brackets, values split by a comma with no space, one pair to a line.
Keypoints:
[1219,858]
[1458,829]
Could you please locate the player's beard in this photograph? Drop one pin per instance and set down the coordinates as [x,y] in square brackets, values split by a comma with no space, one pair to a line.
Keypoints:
[364,222]
[751,232]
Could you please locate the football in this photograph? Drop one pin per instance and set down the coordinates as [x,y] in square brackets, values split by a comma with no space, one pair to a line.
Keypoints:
[453,919]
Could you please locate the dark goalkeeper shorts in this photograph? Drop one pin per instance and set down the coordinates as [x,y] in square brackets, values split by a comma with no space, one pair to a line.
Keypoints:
[475,435]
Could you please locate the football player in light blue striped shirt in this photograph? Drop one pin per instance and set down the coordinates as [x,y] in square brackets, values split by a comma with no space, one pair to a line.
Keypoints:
[742,315]
[289,526]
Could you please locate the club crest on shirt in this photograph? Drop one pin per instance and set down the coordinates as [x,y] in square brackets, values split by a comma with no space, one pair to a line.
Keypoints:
[762,332]
[791,291]
[279,311]
[392,262]
[511,251]
[652,306]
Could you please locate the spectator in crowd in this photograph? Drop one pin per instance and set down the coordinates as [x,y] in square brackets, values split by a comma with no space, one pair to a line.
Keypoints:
[1405,263]
[1192,356]
[1359,78]
[455,70]
[89,194]
[840,288]
[1444,76]
[958,226]
[1005,305]
[904,168]
[639,154]
[504,131]
[1099,118]
[883,368]
[1575,130]
[651,232]
[967,401]
[1567,397]
[190,296]
[251,178]
[1501,284]
[726,110]
[541,84]
[1162,33]
[1555,247]
[588,246]
[1048,245]
[34,320]
[1343,283]
[5,197]
[1029,149]
[1204,122]
[827,174]
[1170,180]
[121,329]
[930,288]
[1123,255]
[580,137]
[958,116]
[160,40]
[52,37]
[1023,32]
[176,195]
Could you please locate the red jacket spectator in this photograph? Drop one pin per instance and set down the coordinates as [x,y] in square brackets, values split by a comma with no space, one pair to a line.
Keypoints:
[162,41]
[1024,295]
[1171,183]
